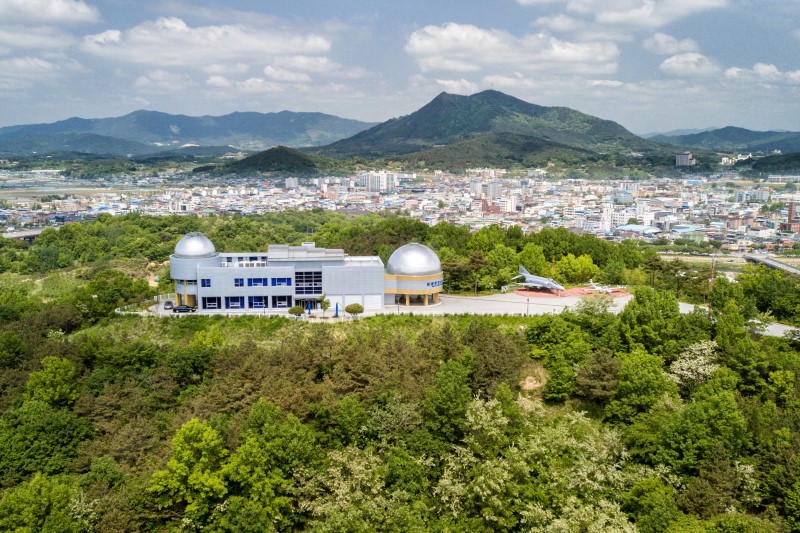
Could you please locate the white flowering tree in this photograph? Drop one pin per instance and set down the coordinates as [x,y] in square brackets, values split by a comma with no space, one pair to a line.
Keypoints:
[695,365]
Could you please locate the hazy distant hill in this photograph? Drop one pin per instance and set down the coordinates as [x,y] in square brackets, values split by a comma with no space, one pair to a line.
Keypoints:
[674,133]
[152,129]
[451,118]
[731,139]
[76,144]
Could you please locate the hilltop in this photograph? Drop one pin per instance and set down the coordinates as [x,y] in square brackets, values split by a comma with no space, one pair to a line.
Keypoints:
[284,160]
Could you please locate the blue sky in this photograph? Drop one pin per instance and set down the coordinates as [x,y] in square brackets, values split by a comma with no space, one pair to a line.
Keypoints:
[651,65]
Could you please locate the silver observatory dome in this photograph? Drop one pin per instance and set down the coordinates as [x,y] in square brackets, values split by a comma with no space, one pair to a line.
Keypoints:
[194,245]
[413,259]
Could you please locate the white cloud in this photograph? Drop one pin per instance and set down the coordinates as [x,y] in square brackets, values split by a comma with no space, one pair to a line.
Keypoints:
[171,42]
[561,23]
[663,44]
[40,37]
[690,65]
[23,72]
[763,73]
[642,14]
[314,64]
[228,88]
[44,12]
[219,81]
[162,81]
[227,68]
[280,74]
[461,86]
[467,48]
[605,83]
[259,85]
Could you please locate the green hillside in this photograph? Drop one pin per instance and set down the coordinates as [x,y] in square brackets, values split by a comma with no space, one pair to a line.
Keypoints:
[283,160]
[646,420]
[776,164]
[502,149]
[450,118]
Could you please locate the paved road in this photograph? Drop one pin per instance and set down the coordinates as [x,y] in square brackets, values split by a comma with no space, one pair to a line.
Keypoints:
[500,304]
[505,304]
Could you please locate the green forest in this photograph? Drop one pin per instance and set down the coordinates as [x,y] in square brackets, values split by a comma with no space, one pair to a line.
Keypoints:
[648,420]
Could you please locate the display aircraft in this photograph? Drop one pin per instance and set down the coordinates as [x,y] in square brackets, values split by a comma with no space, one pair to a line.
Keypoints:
[529,280]
[603,288]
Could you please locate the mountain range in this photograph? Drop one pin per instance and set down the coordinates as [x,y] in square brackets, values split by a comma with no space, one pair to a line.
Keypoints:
[451,132]
[732,139]
[143,132]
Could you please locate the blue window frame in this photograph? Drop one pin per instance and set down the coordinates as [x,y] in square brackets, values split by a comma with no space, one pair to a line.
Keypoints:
[234,302]
[257,282]
[212,302]
[281,301]
[281,282]
[238,282]
[308,282]
[205,282]
[257,302]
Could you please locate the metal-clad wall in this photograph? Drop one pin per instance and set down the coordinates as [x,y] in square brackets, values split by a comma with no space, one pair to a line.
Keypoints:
[348,284]
[186,268]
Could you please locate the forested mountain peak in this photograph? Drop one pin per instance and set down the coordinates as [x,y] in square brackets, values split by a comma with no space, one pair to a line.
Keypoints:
[451,118]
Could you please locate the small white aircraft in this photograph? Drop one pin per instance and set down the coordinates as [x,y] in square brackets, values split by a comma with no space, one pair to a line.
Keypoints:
[603,288]
[529,280]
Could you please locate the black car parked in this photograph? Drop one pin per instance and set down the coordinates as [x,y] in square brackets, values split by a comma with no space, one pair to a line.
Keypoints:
[183,309]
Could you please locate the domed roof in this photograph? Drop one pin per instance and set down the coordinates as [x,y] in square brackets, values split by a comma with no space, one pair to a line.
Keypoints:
[194,244]
[414,260]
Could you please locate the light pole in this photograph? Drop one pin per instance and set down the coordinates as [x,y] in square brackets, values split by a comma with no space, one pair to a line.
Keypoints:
[527,305]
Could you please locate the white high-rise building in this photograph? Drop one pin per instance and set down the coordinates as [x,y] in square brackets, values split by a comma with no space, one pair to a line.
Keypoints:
[476,188]
[509,204]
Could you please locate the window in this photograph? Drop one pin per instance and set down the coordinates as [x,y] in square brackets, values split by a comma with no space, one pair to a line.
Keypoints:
[308,282]
[205,282]
[234,302]
[257,282]
[238,282]
[281,282]
[212,302]
[257,302]
[281,301]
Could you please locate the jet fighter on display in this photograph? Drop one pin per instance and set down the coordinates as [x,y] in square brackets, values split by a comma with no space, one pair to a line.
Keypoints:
[536,282]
